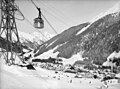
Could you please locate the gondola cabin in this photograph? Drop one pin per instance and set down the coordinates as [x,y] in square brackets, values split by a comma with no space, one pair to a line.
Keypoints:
[38,23]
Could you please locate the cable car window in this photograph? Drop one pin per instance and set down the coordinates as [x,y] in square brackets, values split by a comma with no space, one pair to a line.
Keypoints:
[38,23]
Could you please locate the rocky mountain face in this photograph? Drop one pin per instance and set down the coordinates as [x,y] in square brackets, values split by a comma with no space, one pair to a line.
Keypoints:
[96,40]
[103,38]
[61,41]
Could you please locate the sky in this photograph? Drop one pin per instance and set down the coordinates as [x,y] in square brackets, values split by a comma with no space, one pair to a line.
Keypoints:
[61,14]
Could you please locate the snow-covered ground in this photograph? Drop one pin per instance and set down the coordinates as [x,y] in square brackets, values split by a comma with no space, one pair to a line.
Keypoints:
[73,59]
[113,55]
[15,77]
[48,54]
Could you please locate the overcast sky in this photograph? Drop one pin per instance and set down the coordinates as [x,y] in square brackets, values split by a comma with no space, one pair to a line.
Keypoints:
[62,14]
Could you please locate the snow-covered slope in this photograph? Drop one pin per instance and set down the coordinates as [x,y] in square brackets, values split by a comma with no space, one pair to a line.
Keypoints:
[48,54]
[14,77]
[60,40]
[113,55]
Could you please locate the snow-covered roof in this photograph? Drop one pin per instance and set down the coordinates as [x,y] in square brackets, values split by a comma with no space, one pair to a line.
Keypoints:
[107,63]
[114,54]
[73,59]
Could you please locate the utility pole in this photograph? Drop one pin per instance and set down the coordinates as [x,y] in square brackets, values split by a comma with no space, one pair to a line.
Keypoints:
[8,29]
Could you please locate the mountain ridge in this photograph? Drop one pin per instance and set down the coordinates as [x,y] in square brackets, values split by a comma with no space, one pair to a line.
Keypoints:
[89,39]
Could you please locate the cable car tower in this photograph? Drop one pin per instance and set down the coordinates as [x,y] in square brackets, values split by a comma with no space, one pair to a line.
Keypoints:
[8,30]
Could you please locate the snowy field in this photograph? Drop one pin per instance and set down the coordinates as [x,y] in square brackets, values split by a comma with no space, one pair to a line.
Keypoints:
[14,77]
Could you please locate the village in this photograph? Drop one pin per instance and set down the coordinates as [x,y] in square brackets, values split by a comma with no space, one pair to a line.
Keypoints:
[108,73]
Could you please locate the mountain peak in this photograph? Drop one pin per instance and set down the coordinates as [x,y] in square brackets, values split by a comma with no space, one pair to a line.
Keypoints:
[114,9]
[95,40]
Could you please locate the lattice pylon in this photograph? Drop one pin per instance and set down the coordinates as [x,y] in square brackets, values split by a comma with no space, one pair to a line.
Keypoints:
[8,29]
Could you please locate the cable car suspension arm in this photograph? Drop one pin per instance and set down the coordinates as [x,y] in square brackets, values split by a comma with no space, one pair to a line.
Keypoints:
[44,17]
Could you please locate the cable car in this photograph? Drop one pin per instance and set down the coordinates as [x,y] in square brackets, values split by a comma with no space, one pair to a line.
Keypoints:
[38,22]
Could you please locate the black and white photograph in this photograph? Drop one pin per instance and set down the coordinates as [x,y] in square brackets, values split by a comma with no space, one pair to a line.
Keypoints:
[59,44]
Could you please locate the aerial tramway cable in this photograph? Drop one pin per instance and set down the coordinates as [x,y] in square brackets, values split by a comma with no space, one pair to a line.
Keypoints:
[55,10]
[49,24]
[61,15]
[24,18]
[49,10]
[45,18]
[38,22]
[36,29]
[18,10]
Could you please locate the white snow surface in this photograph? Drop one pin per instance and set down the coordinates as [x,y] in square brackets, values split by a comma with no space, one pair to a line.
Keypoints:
[48,54]
[82,30]
[12,69]
[35,36]
[51,43]
[114,54]
[111,56]
[107,63]
[73,59]
[14,77]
